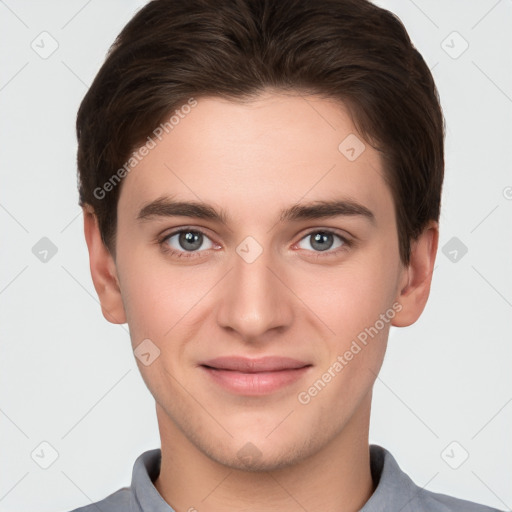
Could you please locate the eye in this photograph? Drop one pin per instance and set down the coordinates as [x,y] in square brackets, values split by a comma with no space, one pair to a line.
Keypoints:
[188,243]
[324,241]
[184,241]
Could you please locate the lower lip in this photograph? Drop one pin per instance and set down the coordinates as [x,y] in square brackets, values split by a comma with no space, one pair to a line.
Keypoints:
[254,384]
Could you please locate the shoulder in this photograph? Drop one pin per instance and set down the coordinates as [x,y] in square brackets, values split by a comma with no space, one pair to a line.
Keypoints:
[140,495]
[395,490]
[433,501]
[115,502]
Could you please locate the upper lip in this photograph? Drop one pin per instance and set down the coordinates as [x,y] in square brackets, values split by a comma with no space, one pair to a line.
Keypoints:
[254,365]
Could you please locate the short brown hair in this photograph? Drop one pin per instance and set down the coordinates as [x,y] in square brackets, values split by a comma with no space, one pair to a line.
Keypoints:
[347,50]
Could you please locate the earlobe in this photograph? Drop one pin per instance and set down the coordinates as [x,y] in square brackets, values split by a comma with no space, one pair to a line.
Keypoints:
[103,270]
[414,287]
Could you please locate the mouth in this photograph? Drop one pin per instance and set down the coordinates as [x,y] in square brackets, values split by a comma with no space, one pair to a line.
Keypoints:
[252,377]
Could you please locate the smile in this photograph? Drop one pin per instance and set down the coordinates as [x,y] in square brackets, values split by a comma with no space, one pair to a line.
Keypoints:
[253,377]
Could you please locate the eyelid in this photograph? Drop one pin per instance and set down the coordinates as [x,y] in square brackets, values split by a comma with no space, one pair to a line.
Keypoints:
[181,229]
[334,231]
[348,241]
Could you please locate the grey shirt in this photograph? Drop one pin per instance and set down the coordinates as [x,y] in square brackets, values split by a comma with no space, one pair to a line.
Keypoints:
[395,491]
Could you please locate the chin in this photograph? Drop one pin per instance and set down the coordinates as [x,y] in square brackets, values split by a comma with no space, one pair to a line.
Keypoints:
[259,463]
[261,455]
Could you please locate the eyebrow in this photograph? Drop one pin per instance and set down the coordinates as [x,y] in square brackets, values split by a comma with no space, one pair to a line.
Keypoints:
[167,207]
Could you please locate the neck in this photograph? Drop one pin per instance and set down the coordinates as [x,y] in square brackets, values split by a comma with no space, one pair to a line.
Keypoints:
[335,479]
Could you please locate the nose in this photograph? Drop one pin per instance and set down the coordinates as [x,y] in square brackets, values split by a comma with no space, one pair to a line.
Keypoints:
[256,302]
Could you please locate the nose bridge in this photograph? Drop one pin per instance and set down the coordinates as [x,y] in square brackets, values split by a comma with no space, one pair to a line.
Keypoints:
[254,300]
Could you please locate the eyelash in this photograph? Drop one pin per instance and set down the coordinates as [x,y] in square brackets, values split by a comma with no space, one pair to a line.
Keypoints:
[162,242]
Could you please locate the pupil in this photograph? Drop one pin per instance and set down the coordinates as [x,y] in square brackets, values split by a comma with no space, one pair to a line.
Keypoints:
[321,238]
[190,237]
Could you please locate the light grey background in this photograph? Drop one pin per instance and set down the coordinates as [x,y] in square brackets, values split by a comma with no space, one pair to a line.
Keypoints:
[69,378]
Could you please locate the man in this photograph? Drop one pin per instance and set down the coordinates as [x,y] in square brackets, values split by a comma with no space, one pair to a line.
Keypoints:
[261,185]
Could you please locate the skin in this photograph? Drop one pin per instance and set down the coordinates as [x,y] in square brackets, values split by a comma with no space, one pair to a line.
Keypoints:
[252,160]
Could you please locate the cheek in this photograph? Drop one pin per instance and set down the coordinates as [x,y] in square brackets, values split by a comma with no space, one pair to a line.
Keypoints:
[350,297]
[155,295]
[350,301]
[351,304]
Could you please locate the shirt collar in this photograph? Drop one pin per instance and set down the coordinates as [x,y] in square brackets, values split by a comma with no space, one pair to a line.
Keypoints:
[145,497]
[394,489]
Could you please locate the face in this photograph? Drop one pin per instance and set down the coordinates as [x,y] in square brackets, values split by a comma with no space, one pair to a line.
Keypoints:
[266,329]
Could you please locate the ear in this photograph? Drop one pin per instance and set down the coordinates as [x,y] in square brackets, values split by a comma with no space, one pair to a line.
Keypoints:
[103,270]
[415,280]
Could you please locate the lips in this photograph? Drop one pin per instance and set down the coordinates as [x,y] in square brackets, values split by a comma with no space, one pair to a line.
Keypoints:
[258,376]
[246,365]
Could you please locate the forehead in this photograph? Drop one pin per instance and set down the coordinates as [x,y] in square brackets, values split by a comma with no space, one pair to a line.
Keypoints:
[249,157]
